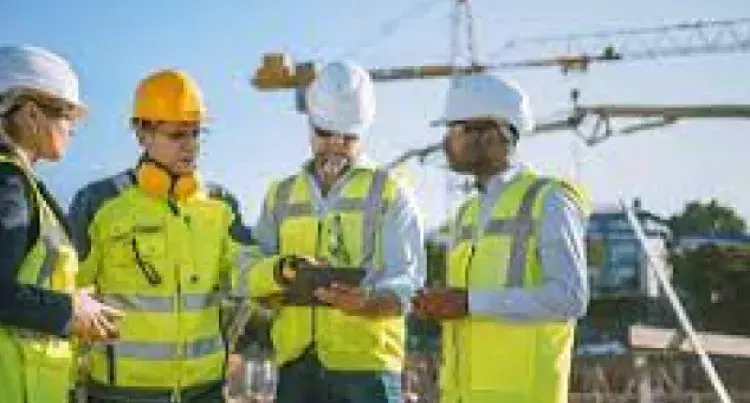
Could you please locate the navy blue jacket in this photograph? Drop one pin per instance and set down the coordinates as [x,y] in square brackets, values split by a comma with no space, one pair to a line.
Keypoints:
[25,306]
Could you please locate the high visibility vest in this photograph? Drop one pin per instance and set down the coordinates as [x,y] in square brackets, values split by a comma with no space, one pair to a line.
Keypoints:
[37,368]
[167,267]
[489,359]
[347,236]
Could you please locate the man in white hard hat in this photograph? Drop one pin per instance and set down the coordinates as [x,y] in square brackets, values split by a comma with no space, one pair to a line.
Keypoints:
[343,246]
[516,274]
[39,307]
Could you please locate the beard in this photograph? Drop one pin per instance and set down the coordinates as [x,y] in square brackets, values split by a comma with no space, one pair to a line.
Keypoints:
[331,166]
[474,161]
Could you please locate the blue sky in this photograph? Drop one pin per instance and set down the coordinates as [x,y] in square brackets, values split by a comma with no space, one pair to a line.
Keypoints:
[258,137]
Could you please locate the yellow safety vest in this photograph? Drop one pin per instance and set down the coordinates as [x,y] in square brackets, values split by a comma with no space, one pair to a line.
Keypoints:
[489,360]
[167,266]
[348,236]
[37,368]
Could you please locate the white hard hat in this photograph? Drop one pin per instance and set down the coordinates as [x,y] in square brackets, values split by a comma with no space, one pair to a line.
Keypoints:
[30,67]
[341,99]
[486,96]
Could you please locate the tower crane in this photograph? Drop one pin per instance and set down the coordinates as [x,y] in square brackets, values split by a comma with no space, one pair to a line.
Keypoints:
[278,72]
[651,116]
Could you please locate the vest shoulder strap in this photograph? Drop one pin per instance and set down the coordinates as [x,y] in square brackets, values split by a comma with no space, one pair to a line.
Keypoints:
[89,200]
[281,199]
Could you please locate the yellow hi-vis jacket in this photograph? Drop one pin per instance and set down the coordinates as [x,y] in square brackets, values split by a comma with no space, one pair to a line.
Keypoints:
[43,364]
[167,265]
[341,341]
[490,360]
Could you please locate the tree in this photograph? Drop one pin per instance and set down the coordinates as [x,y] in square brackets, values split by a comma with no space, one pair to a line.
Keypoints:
[713,278]
[706,219]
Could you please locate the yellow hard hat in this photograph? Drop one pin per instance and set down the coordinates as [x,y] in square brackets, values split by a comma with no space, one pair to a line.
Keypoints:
[168,96]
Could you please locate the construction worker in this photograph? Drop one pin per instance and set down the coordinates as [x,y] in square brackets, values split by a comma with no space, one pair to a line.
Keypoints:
[164,247]
[39,307]
[516,274]
[340,340]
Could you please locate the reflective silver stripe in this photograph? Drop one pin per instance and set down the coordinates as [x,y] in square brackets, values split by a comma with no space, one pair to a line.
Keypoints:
[48,264]
[296,210]
[52,238]
[168,351]
[203,347]
[305,209]
[465,233]
[137,302]
[501,227]
[281,201]
[525,225]
[150,303]
[245,257]
[349,204]
[196,302]
[372,210]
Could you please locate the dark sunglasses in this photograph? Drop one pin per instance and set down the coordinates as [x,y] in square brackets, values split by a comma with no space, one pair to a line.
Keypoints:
[327,134]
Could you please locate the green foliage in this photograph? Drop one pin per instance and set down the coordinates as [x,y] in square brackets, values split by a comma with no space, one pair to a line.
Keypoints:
[713,279]
[706,219]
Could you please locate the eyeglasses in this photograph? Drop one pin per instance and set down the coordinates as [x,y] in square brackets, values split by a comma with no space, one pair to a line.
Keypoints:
[181,134]
[327,134]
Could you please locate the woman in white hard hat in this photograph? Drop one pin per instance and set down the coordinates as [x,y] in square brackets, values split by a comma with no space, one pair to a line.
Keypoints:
[39,308]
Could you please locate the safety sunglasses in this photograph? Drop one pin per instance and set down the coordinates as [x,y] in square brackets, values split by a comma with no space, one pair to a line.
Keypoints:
[181,134]
[482,126]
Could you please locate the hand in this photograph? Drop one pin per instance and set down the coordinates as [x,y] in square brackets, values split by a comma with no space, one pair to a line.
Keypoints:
[235,367]
[235,375]
[92,320]
[347,298]
[355,301]
[442,303]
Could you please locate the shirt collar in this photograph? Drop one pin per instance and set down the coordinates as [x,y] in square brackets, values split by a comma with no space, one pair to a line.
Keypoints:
[502,178]
[361,162]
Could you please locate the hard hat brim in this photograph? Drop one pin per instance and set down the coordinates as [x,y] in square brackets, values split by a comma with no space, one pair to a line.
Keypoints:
[440,122]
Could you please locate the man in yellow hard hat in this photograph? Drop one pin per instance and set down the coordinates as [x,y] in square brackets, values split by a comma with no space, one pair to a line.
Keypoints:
[161,245]
[516,271]
[343,246]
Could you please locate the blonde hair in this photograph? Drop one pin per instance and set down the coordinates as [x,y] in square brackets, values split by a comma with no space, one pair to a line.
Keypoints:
[10,134]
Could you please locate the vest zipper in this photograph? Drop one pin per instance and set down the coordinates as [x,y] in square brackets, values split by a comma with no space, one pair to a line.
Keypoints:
[176,396]
[110,351]
[177,393]
[313,312]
